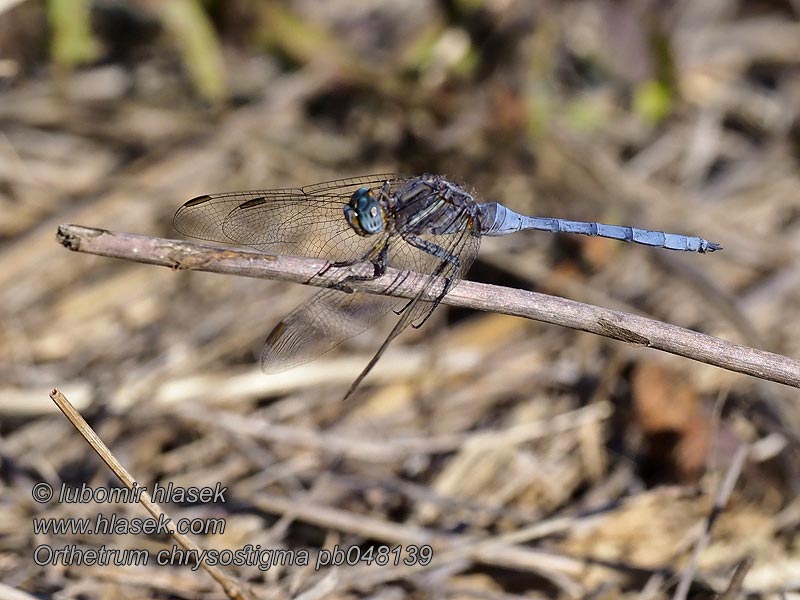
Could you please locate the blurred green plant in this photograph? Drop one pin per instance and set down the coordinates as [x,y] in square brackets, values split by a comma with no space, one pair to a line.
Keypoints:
[72,42]
[185,21]
[586,113]
[440,47]
[541,100]
[652,100]
[189,26]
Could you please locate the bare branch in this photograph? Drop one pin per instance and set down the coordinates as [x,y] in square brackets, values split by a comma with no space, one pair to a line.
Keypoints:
[467,294]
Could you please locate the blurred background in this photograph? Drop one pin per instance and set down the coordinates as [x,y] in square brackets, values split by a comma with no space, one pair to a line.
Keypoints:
[602,458]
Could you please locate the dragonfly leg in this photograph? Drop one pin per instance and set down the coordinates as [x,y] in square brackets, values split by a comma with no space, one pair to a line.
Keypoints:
[336,265]
[336,285]
[379,263]
[378,260]
[397,284]
[342,287]
[448,260]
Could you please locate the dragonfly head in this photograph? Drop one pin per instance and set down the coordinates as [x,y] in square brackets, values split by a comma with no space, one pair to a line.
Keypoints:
[364,213]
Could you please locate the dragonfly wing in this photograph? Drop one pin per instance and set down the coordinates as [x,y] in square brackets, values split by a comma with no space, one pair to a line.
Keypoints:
[203,217]
[346,187]
[305,221]
[320,324]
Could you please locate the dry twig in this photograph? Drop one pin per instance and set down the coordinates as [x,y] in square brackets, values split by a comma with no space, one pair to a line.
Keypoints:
[467,294]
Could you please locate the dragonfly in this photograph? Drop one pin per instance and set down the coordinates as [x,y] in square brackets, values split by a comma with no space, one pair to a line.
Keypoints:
[427,227]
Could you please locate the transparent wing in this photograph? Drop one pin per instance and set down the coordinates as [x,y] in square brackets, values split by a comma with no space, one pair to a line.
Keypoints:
[327,318]
[320,324]
[306,221]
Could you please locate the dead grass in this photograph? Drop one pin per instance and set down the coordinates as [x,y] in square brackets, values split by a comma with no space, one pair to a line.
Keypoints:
[536,461]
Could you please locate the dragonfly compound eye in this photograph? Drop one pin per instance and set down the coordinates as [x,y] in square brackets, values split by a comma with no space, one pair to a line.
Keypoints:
[363,213]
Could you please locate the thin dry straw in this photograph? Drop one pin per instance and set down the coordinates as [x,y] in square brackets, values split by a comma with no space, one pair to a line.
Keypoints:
[232,588]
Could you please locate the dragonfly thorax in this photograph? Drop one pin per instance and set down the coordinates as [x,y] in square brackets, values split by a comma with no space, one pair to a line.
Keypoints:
[364,213]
